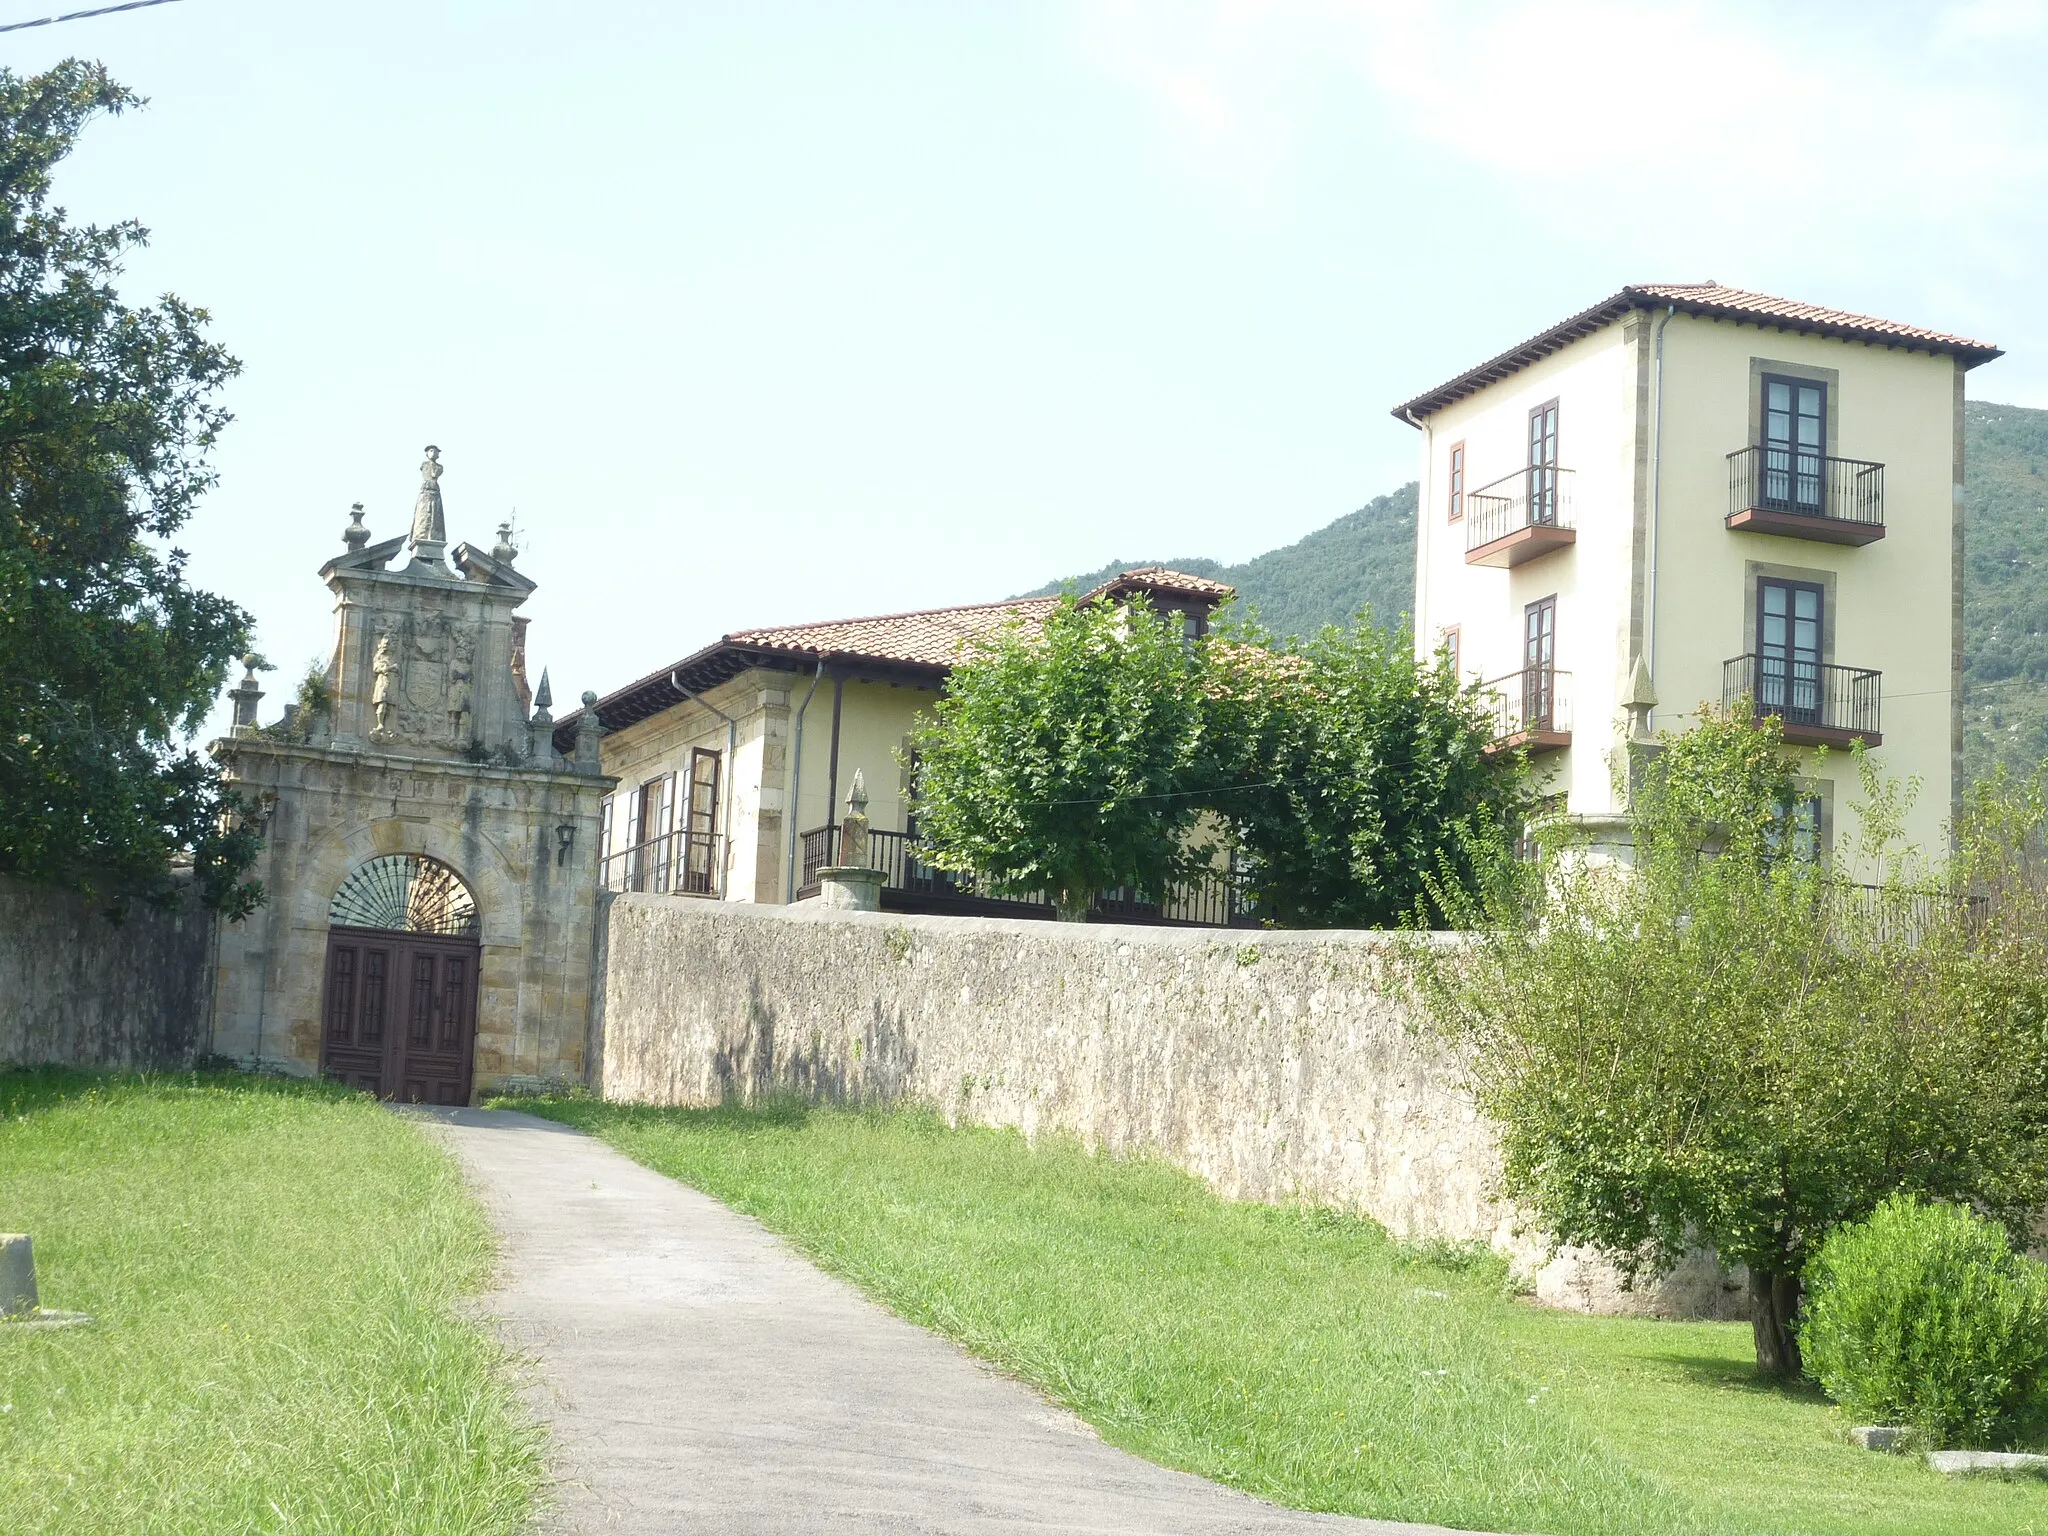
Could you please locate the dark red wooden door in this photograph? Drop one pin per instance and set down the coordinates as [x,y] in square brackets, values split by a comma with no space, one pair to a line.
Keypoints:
[400,1014]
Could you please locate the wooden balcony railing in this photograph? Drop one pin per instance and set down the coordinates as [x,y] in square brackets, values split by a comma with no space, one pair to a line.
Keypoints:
[1819,705]
[911,885]
[1805,495]
[1519,516]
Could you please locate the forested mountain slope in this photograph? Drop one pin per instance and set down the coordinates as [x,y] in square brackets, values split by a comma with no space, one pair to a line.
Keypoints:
[1367,559]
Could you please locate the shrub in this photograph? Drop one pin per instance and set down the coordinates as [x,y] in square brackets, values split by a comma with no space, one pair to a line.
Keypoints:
[1923,1315]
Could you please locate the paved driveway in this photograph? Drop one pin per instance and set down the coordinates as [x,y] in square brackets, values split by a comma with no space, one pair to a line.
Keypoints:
[701,1377]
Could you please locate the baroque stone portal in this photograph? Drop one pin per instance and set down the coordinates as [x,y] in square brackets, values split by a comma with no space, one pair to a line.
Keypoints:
[425,747]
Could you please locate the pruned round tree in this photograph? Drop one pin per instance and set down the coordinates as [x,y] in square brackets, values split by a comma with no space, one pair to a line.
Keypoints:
[1351,774]
[109,657]
[1058,758]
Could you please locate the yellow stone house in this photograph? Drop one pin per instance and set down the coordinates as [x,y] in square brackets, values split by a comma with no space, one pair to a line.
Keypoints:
[1690,494]
[735,763]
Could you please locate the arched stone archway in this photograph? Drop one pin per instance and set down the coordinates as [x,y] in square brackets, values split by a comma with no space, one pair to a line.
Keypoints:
[399,1006]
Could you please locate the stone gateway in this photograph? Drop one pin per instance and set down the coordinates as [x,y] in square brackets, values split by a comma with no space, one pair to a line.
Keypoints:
[430,859]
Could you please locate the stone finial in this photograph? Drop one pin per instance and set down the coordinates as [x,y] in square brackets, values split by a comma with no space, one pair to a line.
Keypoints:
[853,832]
[1639,701]
[355,535]
[249,693]
[429,522]
[505,549]
[588,730]
[544,697]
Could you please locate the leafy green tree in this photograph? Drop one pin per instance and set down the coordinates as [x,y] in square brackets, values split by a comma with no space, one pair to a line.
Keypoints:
[1732,1044]
[1350,774]
[1058,760]
[109,659]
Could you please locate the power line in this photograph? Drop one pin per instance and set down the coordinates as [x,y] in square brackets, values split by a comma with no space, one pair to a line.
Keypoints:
[105,10]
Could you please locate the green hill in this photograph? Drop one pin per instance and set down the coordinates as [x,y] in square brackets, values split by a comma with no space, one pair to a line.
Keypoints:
[2005,587]
[1366,559]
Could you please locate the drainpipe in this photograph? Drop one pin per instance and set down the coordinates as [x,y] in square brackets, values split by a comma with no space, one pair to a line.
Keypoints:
[832,773]
[1656,501]
[732,752]
[1422,517]
[796,783]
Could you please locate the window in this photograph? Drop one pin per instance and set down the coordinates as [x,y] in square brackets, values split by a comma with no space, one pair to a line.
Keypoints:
[1543,465]
[1795,435]
[1457,481]
[1539,663]
[700,828]
[1789,617]
[647,828]
[1451,646]
[1797,829]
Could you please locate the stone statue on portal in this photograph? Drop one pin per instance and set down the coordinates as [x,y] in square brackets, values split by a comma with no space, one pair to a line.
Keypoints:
[429,524]
[383,666]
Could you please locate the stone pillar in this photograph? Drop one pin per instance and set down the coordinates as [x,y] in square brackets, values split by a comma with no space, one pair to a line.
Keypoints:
[587,733]
[853,890]
[17,1275]
[248,695]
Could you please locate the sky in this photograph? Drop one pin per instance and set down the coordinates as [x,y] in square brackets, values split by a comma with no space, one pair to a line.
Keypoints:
[754,313]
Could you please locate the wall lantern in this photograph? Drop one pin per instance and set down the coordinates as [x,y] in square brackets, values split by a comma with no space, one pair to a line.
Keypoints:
[565,834]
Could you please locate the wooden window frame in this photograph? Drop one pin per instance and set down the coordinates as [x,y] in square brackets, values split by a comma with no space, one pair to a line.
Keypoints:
[1458,476]
[1454,642]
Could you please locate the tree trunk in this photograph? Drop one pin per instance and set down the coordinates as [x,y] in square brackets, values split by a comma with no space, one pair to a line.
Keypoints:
[1070,909]
[1773,1305]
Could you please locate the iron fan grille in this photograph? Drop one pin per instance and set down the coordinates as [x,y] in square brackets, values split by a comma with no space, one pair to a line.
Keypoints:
[406,893]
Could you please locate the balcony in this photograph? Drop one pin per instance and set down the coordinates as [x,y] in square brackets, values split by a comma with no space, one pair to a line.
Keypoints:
[1532,711]
[1519,517]
[675,864]
[1820,706]
[1805,496]
[911,885]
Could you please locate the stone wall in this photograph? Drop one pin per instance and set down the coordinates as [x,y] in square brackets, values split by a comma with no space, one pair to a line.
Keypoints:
[1277,1066]
[77,990]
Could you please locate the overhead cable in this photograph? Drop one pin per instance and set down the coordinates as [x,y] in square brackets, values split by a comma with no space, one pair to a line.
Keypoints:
[104,10]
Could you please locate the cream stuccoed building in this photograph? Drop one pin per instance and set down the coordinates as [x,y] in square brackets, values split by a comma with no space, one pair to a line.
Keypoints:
[1691,494]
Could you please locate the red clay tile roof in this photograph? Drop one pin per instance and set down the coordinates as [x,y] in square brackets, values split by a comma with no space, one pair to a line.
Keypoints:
[929,637]
[925,643]
[1716,300]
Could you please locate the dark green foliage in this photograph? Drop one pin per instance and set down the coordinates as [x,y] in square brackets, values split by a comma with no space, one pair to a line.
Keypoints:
[1365,560]
[1731,1046]
[107,657]
[1059,761]
[1349,775]
[1923,1315]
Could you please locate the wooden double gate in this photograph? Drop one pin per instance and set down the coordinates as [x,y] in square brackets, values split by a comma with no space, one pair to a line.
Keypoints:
[400,1014]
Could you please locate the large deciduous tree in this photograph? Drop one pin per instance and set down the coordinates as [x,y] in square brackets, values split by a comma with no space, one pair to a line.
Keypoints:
[1058,759]
[1350,773]
[109,658]
[1732,1043]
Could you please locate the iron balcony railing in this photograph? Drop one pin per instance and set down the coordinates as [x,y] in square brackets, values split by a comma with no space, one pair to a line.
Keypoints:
[1787,480]
[1539,496]
[1206,901]
[676,863]
[1534,701]
[1804,693]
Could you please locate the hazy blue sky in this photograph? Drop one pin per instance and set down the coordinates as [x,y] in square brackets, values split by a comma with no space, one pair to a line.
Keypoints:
[768,312]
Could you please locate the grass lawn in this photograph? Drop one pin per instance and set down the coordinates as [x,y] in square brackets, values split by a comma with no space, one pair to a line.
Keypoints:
[272,1268]
[1299,1354]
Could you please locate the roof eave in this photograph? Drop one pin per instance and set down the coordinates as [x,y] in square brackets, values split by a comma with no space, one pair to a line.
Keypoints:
[1605,313]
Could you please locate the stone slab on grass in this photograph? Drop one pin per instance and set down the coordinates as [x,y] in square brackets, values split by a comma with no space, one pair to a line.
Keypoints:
[1959,1463]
